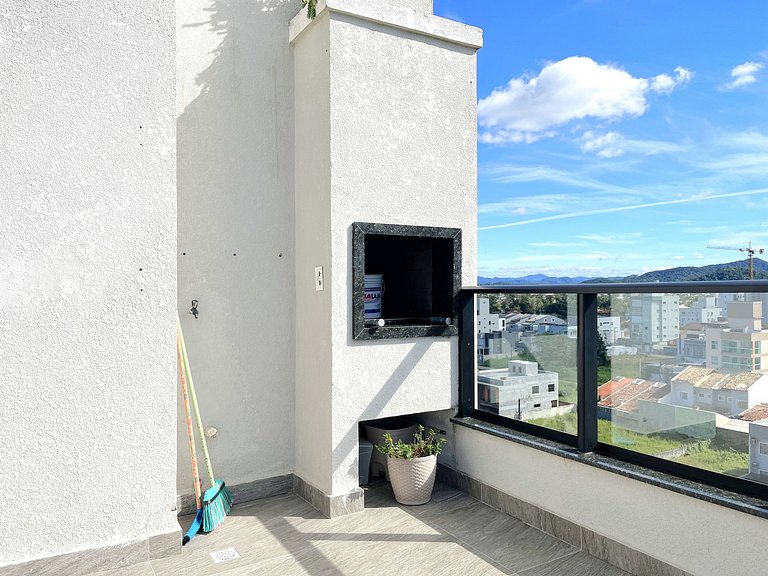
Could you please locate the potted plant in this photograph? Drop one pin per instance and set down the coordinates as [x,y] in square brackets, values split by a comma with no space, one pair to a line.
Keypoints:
[412,466]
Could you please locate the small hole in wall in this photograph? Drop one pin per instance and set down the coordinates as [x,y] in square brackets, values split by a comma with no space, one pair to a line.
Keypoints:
[141,269]
[235,254]
[183,253]
[280,255]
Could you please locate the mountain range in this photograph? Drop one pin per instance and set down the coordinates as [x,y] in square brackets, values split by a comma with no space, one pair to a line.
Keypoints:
[738,270]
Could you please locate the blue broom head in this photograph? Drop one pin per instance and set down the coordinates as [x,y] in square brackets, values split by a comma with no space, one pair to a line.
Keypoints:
[217,502]
[194,528]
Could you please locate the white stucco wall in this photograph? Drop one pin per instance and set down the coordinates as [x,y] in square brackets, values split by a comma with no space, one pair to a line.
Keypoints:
[405,104]
[313,248]
[696,536]
[400,109]
[87,290]
[235,187]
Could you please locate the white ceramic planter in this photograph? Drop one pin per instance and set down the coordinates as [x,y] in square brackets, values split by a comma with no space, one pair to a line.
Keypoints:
[412,480]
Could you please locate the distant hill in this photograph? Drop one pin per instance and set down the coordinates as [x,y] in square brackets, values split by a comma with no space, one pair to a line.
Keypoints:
[532,279]
[738,270]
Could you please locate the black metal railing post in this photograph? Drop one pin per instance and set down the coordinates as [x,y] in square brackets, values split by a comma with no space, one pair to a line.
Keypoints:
[586,362]
[467,353]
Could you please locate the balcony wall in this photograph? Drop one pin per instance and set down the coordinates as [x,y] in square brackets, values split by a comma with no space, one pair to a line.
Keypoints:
[236,220]
[684,532]
[88,287]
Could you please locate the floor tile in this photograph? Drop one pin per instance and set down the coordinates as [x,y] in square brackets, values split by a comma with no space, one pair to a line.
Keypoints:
[506,540]
[143,569]
[379,558]
[452,534]
[577,564]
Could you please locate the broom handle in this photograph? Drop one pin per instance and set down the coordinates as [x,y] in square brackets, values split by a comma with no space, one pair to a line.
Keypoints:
[188,413]
[199,420]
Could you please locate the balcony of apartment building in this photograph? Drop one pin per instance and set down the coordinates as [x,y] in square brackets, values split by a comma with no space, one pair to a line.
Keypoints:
[246,168]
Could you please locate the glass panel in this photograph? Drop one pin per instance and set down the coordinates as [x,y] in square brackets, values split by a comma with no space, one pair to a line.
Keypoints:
[680,379]
[526,358]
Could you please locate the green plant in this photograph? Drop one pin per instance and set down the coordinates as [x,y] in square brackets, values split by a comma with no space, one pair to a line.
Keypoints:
[419,447]
[311,8]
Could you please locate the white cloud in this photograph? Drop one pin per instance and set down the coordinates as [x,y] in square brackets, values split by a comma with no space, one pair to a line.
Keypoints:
[678,258]
[664,83]
[743,75]
[550,244]
[628,238]
[608,145]
[528,108]
[579,213]
[612,144]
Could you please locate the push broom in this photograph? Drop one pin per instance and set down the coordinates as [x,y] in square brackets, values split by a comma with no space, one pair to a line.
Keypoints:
[217,500]
[198,521]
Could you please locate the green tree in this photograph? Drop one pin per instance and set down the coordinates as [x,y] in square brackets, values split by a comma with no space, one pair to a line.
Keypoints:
[602,352]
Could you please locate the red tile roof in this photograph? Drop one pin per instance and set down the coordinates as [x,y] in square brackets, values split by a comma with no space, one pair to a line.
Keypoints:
[625,392]
[758,412]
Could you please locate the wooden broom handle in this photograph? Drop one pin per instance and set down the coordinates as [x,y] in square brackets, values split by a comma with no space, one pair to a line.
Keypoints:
[188,413]
[199,420]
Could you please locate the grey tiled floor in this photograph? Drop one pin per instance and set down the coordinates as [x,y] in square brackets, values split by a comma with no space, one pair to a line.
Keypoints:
[453,534]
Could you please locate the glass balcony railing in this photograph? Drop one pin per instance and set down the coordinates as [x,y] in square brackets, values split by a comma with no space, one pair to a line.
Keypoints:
[669,376]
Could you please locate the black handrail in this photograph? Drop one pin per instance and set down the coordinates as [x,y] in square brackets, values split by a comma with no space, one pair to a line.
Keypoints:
[623,287]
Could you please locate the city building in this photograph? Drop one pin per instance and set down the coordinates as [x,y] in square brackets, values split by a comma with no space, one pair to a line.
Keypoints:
[541,323]
[742,346]
[654,320]
[521,391]
[609,327]
[488,322]
[758,450]
[705,310]
[721,392]
[635,404]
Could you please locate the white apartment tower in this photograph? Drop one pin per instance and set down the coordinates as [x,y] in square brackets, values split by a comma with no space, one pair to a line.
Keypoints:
[743,345]
[487,322]
[654,319]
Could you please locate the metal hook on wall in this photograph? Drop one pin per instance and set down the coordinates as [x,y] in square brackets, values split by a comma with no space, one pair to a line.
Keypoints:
[194,309]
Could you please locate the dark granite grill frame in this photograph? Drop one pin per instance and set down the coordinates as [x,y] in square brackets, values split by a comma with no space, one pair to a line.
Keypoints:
[422,276]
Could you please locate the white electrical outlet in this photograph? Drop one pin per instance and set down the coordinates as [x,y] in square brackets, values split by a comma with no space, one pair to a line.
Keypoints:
[318,278]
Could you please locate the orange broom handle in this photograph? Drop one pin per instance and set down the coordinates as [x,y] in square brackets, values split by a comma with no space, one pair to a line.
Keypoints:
[188,413]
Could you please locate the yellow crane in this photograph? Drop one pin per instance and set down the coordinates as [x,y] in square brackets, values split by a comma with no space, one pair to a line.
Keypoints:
[750,252]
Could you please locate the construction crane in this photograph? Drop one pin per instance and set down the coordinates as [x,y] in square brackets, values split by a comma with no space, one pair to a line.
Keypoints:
[750,252]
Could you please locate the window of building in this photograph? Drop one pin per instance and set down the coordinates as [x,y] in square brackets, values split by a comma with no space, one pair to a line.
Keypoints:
[534,389]
[720,397]
[550,387]
[701,394]
[683,395]
[537,405]
[554,403]
[741,405]
[714,344]
[764,448]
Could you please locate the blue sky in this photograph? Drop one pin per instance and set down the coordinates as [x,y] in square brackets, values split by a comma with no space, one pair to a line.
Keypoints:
[618,136]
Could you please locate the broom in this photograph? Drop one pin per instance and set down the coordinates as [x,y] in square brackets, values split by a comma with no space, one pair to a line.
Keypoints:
[198,521]
[217,500]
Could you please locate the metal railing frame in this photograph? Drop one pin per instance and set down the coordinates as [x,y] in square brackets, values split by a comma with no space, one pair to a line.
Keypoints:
[587,381]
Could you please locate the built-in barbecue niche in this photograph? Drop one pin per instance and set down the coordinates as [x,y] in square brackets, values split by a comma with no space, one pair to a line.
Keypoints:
[405,280]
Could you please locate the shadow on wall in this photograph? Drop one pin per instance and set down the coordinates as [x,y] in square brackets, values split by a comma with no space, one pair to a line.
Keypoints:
[348,445]
[235,229]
